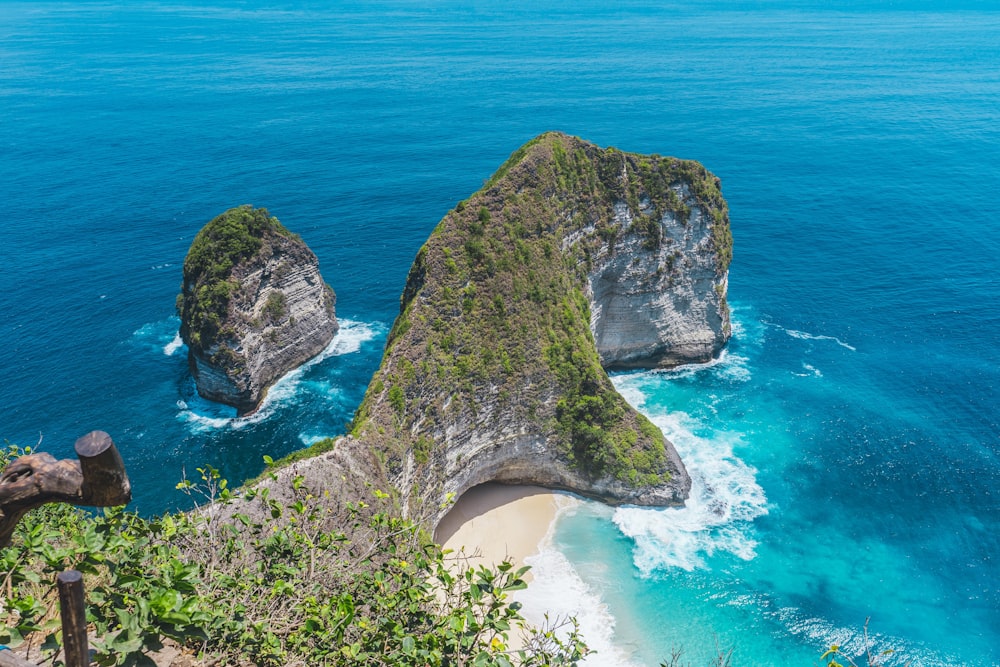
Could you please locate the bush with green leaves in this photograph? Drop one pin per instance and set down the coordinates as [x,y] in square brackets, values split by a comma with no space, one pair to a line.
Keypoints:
[248,580]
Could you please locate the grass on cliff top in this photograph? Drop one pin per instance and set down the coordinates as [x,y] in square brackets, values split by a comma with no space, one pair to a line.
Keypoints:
[228,239]
[494,323]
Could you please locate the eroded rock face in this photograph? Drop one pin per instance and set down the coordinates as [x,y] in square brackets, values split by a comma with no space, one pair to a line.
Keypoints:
[253,306]
[572,259]
[662,304]
[491,445]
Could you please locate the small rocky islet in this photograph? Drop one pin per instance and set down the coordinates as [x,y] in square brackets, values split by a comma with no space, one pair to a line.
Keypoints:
[253,306]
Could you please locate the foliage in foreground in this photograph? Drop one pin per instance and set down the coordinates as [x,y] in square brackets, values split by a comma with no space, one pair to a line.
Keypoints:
[272,586]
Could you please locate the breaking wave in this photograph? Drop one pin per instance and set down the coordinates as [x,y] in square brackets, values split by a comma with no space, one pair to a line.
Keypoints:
[802,335]
[717,517]
[558,592]
[202,415]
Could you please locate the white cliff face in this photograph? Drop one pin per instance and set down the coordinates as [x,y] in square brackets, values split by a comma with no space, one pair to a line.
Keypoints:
[281,315]
[663,304]
[646,240]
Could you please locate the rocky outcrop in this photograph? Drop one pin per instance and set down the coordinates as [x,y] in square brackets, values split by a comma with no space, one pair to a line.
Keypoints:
[253,306]
[659,304]
[571,259]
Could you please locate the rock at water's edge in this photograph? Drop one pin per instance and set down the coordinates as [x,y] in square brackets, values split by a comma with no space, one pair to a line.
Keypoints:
[571,259]
[253,306]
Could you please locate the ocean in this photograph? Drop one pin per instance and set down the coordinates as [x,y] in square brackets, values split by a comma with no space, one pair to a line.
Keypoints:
[844,449]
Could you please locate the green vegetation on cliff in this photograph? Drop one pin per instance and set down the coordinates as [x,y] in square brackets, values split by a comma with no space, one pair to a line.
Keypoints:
[491,358]
[495,322]
[223,243]
[265,583]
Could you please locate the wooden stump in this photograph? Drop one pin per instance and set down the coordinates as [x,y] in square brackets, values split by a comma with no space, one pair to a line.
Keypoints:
[98,479]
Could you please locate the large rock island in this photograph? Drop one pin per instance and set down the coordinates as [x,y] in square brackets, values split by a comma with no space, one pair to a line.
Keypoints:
[253,306]
[571,259]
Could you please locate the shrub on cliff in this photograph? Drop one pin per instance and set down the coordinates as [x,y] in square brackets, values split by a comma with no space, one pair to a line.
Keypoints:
[275,585]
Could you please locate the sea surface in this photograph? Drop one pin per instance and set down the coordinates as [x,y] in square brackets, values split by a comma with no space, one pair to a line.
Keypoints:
[845,447]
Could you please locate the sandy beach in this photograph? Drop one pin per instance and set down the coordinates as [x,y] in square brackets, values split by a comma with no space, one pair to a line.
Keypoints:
[492,522]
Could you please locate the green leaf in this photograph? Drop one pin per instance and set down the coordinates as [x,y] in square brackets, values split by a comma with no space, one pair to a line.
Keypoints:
[126,642]
[11,637]
[165,601]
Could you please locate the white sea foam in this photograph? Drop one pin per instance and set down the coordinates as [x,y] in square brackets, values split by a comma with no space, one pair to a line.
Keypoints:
[727,365]
[558,592]
[733,367]
[349,338]
[810,371]
[310,439]
[717,518]
[160,336]
[892,651]
[173,345]
[746,327]
[202,423]
[725,498]
[808,336]
[204,415]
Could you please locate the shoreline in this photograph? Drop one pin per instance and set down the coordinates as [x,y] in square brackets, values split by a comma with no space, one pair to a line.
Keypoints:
[493,522]
[496,521]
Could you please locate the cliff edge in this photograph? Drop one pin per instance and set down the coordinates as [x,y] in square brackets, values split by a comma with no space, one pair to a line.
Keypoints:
[569,260]
[253,306]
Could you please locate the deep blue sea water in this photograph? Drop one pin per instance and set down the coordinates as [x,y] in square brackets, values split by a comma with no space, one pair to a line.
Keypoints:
[844,450]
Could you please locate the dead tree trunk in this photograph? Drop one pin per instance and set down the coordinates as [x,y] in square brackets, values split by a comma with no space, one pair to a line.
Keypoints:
[98,479]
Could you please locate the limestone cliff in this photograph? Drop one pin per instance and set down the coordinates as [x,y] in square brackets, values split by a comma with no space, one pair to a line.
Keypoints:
[659,301]
[253,306]
[569,260]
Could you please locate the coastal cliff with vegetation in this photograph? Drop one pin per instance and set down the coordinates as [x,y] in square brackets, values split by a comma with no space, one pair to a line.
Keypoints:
[253,306]
[570,260]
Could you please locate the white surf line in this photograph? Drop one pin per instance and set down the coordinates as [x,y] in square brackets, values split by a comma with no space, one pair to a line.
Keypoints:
[803,335]
[349,339]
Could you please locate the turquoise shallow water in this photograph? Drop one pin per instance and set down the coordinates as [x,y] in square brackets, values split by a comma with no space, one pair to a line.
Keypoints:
[845,448]
[794,534]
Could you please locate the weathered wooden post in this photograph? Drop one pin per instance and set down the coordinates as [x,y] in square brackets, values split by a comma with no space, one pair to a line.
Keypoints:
[74,618]
[97,479]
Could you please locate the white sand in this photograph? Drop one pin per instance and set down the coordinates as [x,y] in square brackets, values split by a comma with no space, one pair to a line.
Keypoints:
[492,522]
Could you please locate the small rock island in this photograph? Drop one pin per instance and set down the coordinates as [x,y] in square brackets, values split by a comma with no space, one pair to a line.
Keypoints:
[571,260]
[253,306]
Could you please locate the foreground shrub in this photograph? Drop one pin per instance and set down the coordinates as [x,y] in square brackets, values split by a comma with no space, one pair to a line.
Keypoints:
[251,581]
